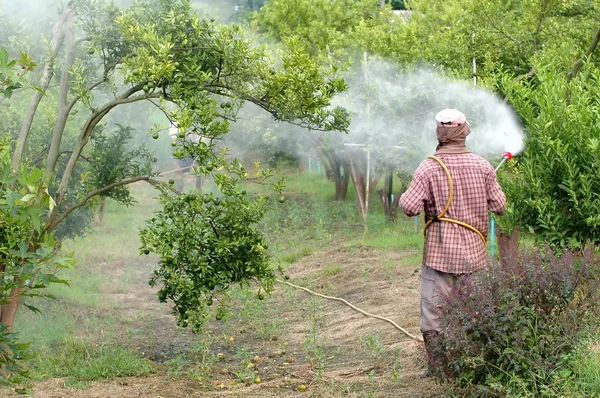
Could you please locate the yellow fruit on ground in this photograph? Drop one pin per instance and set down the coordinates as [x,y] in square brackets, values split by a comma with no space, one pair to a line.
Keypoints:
[302,387]
[257,380]
[231,339]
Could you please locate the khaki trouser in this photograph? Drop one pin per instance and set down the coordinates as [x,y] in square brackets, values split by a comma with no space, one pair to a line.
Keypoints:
[434,283]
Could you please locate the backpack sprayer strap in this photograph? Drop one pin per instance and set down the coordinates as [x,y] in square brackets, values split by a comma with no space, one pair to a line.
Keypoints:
[440,217]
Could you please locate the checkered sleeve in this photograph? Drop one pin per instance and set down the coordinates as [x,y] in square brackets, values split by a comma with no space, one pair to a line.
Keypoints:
[413,200]
[496,197]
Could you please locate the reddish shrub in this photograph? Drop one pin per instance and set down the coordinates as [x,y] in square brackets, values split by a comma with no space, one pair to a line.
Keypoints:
[519,323]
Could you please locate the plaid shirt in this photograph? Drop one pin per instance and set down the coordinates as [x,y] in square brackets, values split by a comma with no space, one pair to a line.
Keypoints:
[457,250]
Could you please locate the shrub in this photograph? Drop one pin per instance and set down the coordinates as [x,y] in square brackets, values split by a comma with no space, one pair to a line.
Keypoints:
[516,328]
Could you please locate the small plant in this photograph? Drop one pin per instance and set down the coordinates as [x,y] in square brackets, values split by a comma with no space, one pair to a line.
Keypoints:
[332,269]
[516,327]
[177,366]
[246,369]
[373,344]
[313,342]
[395,365]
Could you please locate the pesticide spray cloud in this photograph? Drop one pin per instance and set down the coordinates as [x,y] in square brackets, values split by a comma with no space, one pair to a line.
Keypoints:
[396,111]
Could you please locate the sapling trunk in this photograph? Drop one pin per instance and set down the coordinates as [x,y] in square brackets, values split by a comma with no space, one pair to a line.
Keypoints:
[508,245]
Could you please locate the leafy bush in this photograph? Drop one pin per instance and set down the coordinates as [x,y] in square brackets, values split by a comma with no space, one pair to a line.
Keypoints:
[517,327]
[553,191]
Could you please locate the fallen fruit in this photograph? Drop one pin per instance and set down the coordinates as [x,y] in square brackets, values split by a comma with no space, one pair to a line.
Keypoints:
[281,199]
[302,387]
[257,380]
[231,339]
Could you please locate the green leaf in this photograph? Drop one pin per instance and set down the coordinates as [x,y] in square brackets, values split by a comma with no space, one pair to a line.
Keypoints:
[32,308]
[3,58]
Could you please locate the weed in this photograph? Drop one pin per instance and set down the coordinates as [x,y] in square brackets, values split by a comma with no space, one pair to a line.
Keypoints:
[365,273]
[331,269]
[177,366]
[246,368]
[313,342]
[290,258]
[373,344]
[395,365]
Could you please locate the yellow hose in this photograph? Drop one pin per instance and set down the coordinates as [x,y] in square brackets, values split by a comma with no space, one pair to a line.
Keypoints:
[441,217]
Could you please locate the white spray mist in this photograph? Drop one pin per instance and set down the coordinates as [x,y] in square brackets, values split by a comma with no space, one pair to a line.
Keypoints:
[393,109]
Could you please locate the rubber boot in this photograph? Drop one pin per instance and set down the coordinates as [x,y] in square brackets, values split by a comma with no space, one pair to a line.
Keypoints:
[429,340]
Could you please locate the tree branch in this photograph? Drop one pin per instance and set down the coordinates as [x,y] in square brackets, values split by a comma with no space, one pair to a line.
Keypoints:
[89,196]
[57,41]
[85,135]
[288,118]
[107,70]
[577,66]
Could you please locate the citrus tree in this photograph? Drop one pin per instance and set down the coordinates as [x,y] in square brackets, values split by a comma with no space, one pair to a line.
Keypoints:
[198,73]
[554,188]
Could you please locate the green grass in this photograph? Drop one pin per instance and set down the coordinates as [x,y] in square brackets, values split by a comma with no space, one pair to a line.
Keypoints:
[84,361]
[73,309]
[585,380]
[331,269]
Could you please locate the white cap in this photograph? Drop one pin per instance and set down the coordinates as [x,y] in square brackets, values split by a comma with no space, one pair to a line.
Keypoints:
[450,118]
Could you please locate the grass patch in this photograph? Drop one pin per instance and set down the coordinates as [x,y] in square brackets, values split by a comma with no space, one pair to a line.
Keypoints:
[585,381]
[83,362]
[331,269]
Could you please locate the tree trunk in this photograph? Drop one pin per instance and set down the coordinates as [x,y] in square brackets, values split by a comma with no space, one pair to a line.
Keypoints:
[508,245]
[100,214]
[385,200]
[9,310]
[47,74]
[332,162]
[341,181]
[63,103]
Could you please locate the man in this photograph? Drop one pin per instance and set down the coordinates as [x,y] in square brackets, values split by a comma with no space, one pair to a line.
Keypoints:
[456,189]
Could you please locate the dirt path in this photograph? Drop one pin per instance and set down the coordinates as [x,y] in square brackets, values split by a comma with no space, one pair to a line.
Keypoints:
[300,341]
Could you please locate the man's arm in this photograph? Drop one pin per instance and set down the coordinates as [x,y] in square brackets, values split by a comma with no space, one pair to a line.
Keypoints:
[496,197]
[413,200]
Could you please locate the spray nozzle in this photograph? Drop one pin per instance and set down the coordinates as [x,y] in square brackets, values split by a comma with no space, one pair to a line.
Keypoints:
[505,156]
